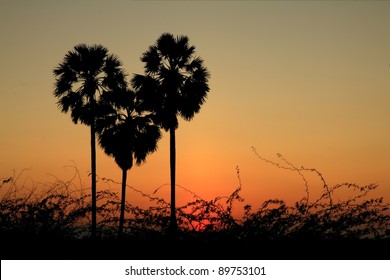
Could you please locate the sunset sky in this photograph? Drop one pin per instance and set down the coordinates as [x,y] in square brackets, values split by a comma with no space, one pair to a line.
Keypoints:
[307,79]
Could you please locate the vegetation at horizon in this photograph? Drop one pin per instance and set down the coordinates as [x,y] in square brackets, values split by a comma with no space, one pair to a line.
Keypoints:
[61,211]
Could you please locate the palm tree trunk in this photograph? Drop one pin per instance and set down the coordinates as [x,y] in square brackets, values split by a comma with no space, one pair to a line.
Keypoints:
[173,221]
[93,175]
[123,199]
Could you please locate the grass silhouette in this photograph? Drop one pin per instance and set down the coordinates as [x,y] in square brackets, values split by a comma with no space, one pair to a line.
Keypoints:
[57,219]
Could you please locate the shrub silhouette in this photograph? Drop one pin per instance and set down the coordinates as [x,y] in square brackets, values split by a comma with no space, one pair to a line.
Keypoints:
[60,213]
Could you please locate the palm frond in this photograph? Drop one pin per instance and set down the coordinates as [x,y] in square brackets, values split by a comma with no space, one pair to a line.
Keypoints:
[175,80]
[129,133]
[166,45]
[87,71]
[152,60]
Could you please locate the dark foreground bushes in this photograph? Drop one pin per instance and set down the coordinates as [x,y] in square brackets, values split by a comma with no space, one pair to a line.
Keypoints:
[54,222]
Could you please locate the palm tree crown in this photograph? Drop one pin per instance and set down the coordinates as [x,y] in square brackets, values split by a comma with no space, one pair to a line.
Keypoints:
[85,73]
[176,82]
[126,133]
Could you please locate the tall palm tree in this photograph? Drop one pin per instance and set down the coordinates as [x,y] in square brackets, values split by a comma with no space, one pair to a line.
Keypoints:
[83,75]
[175,84]
[126,134]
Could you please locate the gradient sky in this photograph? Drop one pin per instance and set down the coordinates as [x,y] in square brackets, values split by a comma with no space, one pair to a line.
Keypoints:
[307,79]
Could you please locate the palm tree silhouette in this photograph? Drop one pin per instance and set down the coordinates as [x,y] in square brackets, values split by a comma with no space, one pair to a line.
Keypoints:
[83,75]
[175,83]
[126,134]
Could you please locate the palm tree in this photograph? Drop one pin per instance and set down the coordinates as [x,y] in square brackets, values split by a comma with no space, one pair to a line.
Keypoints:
[175,83]
[126,134]
[83,75]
